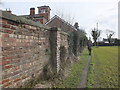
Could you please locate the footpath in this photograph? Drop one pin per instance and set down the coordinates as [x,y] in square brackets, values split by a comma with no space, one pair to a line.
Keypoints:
[83,82]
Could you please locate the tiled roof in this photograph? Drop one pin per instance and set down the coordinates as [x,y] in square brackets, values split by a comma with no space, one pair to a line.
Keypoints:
[22,20]
[60,20]
[35,16]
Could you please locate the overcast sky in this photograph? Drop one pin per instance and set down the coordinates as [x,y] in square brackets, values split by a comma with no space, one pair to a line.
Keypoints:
[86,12]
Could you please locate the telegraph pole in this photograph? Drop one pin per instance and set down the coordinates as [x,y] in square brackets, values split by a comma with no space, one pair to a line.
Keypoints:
[97,25]
[97,30]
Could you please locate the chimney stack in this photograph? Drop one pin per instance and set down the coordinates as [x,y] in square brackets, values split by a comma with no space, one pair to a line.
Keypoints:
[9,10]
[32,11]
[44,11]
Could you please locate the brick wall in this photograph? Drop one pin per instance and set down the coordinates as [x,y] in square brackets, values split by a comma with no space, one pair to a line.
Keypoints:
[58,38]
[25,48]
[62,40]
[24,51]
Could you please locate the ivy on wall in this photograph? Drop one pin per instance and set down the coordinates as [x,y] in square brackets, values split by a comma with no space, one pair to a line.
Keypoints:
[77,42]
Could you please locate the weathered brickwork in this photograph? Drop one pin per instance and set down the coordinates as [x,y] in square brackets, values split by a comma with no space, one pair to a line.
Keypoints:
[58,51]
[62,40]
[25,48]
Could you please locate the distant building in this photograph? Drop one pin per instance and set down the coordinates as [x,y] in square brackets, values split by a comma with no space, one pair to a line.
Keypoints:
[43,14]
[112,40]
[56,21]
[105,40]
[43,17]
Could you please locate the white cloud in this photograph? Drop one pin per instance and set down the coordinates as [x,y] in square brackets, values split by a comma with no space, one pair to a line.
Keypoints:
[109,20]
[107,17]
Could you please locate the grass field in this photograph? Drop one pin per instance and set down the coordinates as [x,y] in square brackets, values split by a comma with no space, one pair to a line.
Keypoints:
[103,71]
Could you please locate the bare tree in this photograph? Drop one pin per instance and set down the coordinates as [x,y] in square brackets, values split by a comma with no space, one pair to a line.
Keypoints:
[95,34]
[67,17]
[109,34]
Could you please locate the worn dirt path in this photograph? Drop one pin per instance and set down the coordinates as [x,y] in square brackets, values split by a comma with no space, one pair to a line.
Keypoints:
[84,74]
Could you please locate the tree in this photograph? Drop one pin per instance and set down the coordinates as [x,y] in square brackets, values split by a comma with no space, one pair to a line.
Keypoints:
[109,34]
[95,34]
[76,25]
[66,16]
[80,38]
[78,29]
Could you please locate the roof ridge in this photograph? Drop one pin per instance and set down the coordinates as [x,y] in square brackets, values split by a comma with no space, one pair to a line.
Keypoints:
[61,20]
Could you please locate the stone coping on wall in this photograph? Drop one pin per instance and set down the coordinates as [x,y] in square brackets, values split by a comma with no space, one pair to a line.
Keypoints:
[22,20]
[55,29]
[64,33]
[59,29]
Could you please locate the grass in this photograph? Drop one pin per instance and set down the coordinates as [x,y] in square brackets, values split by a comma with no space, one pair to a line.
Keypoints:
[74,77]
[103,71]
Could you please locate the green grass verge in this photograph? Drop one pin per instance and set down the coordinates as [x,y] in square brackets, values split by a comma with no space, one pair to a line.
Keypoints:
[103,71]
[74,77]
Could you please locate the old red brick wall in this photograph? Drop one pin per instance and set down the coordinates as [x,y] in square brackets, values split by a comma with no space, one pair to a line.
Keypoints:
[62,40]
[24,50]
